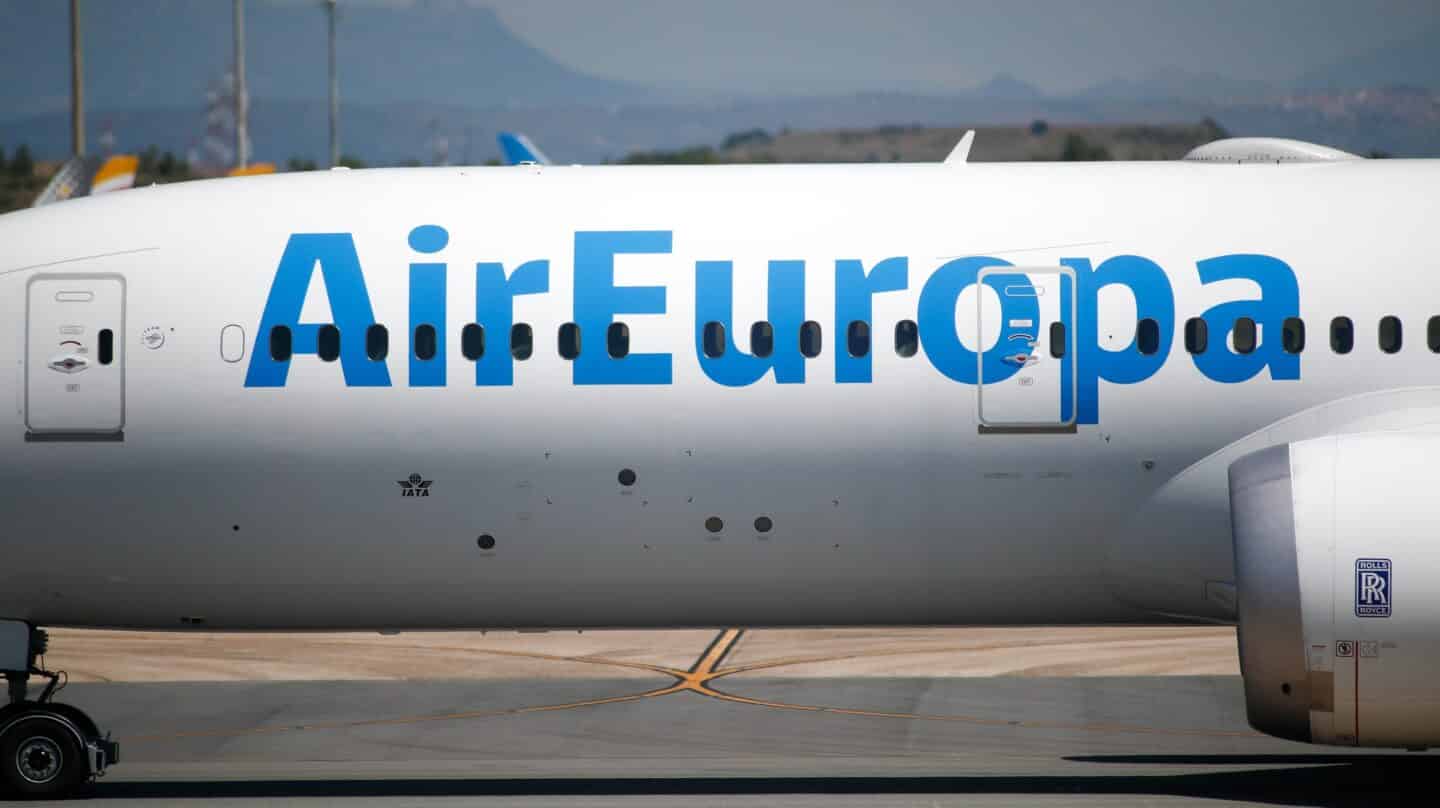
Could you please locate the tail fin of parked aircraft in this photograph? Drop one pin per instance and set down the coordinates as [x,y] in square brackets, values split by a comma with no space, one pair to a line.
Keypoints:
[254,169]
[518,149]
[82,176]
[116,174]
[68,182]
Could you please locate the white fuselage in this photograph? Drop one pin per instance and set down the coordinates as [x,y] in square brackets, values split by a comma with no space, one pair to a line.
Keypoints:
[230,505]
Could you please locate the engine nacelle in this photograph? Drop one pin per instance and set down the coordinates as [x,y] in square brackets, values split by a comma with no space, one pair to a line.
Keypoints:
[1337,569]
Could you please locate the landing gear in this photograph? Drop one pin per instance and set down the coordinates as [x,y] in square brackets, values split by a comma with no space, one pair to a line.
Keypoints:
[46,749]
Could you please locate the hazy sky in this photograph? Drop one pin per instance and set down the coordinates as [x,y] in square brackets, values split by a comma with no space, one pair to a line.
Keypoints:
[811,45]
[822,46]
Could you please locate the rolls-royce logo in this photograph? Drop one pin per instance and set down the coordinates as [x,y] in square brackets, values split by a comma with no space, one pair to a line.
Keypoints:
[416,486]
[1373,595]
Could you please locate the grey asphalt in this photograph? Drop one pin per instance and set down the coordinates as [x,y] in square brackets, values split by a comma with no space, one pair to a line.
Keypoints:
[768,741]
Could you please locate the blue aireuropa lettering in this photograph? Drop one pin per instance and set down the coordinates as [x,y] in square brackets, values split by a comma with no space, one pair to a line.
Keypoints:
[427,304]
[1154,299]
[599,302]
[495,294]
[785,311]
[942,343]
[350,309]
[855,291]
[1279,299]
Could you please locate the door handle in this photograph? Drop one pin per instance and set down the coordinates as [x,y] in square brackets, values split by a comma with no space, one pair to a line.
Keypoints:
[69,363]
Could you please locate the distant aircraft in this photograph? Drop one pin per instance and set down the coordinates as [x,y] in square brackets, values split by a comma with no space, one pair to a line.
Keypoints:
[966,394]
[118,173]
[518,149]
[254,169]
[80,176]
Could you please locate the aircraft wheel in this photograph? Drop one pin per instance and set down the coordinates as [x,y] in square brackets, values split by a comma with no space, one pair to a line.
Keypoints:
[40,757]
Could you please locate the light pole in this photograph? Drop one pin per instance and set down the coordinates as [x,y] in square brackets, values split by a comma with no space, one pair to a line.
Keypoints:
[77,83]
[242,101]
[334,92]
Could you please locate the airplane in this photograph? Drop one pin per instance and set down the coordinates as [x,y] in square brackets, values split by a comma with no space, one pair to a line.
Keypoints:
[949,394]
[518,148]
[251,170]
[114,173]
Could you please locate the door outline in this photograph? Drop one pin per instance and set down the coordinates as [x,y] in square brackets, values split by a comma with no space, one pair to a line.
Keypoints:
[1065,423]
[45,434]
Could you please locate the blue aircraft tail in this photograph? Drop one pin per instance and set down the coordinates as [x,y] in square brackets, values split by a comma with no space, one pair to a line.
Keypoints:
[518,149]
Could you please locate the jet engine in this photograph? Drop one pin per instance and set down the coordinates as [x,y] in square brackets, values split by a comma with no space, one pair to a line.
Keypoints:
[1337,565]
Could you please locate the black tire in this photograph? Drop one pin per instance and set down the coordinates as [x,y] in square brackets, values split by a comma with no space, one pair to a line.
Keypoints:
[40,757]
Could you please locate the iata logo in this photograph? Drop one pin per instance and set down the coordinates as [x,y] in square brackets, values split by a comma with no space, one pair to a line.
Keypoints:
[416,486]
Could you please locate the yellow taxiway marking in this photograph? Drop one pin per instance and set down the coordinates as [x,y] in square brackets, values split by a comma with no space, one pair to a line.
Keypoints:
[697,679]
[692,679]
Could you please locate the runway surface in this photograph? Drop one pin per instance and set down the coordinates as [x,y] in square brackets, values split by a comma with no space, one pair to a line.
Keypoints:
[720,731]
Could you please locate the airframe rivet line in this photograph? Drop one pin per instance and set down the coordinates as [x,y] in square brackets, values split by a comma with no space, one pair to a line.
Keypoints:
[94,257]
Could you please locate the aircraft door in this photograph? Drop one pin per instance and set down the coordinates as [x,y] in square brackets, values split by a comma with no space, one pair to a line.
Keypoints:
[1026,349]
[75,357]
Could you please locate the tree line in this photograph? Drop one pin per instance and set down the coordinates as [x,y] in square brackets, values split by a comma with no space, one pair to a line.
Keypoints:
[19,181]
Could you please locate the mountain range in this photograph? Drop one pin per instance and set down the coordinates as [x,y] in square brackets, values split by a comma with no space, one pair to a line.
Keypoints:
[421,79]
[437,52]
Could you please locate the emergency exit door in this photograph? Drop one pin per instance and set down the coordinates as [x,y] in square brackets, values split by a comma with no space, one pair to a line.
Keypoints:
[1026,349]
[75,356]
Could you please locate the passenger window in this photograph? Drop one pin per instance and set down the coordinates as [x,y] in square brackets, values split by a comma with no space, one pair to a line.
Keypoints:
[907,338]
[857,338]
[714,340]
[617,340]
[377,342]
[1197,335]
[810,339]
[426,344]
[472,341]
[1292,335]
[522,341]
[569,341]
[1244,335]
[1147,336]
[762,339]
[1390,334]
[280,348]
[327,343]
[1057,340]
[1342,335]
[107,346]
[1432,334]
